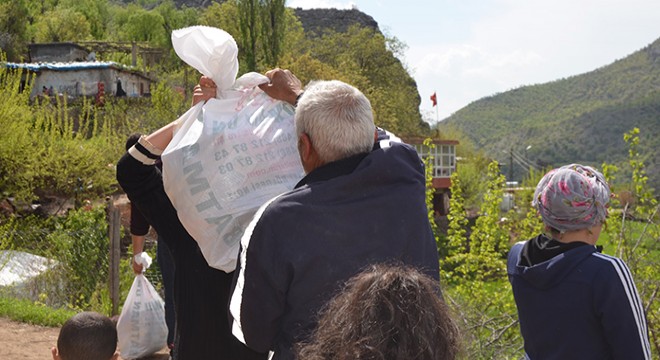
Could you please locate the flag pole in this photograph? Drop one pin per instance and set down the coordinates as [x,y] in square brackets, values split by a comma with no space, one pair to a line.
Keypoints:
[437,112]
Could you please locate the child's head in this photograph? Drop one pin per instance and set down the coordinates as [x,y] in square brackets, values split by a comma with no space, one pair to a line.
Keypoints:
[572,197]
[87,335]
[386,312]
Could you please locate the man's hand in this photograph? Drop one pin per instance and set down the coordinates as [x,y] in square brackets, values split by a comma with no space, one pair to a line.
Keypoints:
[283,86]
[206,89]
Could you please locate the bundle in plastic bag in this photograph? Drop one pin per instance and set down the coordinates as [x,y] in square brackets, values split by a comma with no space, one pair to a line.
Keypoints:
[141,328]
[229,155]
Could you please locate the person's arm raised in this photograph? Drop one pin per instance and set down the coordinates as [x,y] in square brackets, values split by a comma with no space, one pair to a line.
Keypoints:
[206,89]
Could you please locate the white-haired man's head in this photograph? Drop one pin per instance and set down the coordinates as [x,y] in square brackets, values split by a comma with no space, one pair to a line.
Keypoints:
[334,121]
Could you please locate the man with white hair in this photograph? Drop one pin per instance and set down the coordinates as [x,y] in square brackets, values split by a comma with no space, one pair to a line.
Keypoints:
[361,202]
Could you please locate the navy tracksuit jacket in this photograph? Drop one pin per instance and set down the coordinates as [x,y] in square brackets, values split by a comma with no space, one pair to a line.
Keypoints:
[580,304]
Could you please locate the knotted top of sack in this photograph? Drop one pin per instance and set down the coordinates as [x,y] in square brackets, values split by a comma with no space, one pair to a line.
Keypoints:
[211,51]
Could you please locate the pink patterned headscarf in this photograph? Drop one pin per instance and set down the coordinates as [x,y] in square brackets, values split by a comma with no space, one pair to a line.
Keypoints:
[572,197]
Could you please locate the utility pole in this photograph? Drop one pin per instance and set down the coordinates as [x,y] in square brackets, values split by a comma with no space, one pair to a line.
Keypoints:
[511,164]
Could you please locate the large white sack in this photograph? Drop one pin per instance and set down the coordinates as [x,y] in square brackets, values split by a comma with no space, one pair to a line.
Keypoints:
[229,155]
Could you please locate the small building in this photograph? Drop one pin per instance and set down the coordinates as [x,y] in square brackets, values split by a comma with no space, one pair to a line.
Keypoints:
[444,165]
[58,52]
[85,79]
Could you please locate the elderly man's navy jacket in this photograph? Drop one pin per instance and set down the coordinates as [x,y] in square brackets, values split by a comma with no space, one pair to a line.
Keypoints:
[303,246]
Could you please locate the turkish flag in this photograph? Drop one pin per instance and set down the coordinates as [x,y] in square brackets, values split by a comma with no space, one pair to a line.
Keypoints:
[434,100]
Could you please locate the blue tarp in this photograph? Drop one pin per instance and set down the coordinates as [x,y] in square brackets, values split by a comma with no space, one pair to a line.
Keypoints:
[85,65]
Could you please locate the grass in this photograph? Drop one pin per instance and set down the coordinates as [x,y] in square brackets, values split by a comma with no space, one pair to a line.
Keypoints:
[33,313]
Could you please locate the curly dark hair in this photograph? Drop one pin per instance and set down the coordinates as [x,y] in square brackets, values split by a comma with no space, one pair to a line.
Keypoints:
[387,312]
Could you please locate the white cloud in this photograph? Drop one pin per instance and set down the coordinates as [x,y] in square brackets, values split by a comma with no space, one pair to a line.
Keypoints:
[465,50]
[506,44]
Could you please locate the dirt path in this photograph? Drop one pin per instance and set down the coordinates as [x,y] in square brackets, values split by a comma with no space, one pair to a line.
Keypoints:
[20,341]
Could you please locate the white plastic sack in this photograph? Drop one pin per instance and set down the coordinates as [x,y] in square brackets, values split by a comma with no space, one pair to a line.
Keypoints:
[230,155]
[141,328]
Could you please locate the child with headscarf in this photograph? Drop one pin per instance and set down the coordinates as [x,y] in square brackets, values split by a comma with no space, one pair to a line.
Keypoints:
[574,302]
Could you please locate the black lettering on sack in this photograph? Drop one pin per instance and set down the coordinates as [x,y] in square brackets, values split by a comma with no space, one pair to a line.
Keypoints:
[210,203]
[233,123]
[217,127]
[233,237]
[221,222]
[197,183]
[189,152]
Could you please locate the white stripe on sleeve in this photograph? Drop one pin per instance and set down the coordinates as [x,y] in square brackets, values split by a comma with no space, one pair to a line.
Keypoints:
[236,301]
[633,299]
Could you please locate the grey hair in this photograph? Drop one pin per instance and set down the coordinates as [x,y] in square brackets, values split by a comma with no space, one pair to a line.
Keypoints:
[338,119]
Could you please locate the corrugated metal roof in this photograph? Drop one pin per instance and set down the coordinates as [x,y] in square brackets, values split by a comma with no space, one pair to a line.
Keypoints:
[59,66]
[76,65]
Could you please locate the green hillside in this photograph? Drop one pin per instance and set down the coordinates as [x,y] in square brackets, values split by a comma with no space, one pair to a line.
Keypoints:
[577,119]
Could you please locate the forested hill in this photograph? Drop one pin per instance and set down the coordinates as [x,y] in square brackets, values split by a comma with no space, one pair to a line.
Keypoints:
[577,119]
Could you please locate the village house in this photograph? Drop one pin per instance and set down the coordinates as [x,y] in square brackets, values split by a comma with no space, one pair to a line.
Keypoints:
[67,68]
[444,165]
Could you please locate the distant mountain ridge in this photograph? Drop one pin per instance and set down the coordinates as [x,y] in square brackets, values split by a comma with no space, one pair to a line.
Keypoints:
[578,119]
[313,20]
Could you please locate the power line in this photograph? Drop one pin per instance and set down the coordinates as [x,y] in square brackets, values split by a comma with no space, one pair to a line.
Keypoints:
[524,160]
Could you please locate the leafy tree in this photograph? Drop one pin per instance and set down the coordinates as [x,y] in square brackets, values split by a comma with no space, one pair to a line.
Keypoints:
[173,19]
[483,256]
[224,16]
[477,290]
[39,7]
[273,28]
[262,24]
[430,190]
[95,11]
[143,25]
[13,28]
[62,24]
[176,18]
[488,236]
[457,232]
[248,19]
[368,64]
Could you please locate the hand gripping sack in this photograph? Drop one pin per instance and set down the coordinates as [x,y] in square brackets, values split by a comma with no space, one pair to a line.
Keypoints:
[229,155]
[141,328]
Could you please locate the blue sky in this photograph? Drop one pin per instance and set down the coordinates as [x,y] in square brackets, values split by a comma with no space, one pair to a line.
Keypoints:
[467,49]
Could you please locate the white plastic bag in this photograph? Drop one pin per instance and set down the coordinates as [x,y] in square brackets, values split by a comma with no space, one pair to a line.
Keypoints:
[141,328]
[230,155]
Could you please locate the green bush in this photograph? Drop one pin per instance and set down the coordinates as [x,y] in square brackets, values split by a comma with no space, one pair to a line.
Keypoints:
[632,232]
[80,243]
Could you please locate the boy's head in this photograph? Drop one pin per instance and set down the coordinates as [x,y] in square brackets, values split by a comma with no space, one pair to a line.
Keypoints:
[87,335]
[572,197]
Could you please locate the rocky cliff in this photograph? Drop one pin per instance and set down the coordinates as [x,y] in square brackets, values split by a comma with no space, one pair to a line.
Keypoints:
[317,20]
